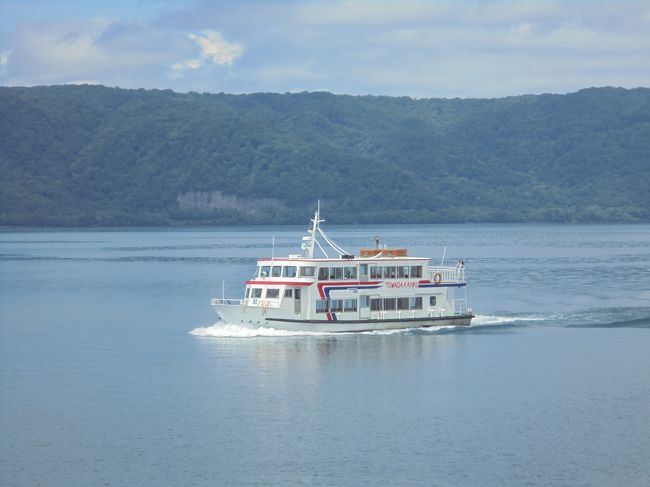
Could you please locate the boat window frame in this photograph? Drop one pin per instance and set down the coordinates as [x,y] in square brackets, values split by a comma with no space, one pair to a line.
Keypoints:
[376,272]
[262,271]
[303,271]
[336,273]
[350,305]
[256,293]
[274,290]
[415,302]
[416,271]
[321,306]
[350,272]
[273,272]
[287,269]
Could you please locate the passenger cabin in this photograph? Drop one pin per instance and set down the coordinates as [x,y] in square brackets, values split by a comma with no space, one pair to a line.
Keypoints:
[381,284]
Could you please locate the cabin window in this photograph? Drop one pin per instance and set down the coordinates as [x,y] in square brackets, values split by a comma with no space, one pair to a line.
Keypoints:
[389,303]
[257,292]
[350,305]
[289,271]
[415,303]
[390,272]
[307,271]
[402,303]
[272,293]
[323,274]
[403,271]
[363,269]
[336,305]
[416,271]
[336,273]
[432,300]
[375,272]
[375,304]
[248,292]
[349,272]
[265,271]
[321,306]
[364,301]
[288,293]
[276,271]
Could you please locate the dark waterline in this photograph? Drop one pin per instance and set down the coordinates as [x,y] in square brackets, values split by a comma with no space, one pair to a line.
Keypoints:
[113,371]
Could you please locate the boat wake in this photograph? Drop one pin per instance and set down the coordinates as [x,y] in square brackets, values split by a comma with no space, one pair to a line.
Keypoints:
[226,330]
[601,318]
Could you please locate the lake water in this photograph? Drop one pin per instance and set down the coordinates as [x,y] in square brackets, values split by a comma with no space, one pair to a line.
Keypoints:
[113,370]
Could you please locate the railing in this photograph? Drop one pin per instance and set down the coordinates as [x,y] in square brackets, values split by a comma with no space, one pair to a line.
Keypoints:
[262,303]
[230,302]
[447,274]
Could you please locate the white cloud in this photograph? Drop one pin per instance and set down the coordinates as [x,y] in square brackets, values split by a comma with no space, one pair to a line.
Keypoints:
[407,47]
[4,57]
[214,49]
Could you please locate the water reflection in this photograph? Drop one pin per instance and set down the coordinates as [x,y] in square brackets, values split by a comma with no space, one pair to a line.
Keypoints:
[273,361]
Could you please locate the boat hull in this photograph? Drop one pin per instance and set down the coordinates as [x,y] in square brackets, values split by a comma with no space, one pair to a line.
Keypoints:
[254,318]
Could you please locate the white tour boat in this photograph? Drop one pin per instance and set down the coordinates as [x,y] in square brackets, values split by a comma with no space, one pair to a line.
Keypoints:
[380,289]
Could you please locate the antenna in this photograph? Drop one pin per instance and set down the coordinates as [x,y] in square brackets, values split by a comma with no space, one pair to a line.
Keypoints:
[444,253]
[272,247]
[310,241]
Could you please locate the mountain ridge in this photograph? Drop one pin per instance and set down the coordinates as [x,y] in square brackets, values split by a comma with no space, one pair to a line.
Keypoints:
[87,155]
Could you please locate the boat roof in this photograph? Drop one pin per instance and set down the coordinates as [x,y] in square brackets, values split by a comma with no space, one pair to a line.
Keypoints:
[363,260]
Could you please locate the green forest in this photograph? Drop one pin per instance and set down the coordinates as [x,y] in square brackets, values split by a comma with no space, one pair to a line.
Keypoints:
[90,155]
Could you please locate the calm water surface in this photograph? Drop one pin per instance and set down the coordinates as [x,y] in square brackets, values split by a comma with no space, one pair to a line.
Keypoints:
[113,370]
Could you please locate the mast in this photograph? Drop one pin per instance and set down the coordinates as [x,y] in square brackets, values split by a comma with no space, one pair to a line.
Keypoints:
[313,230]
[311,241]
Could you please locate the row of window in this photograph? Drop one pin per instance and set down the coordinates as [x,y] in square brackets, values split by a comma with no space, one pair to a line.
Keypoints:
[335,305]
[285,271]
[338,273]
[341,273]
[375,304]
[271,293]
[395,272]
[325,305]
[389,304]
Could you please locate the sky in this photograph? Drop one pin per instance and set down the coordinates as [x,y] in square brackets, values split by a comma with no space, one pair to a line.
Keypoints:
[414,48]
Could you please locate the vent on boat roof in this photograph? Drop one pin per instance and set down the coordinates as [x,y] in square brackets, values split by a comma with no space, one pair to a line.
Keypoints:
[382,253]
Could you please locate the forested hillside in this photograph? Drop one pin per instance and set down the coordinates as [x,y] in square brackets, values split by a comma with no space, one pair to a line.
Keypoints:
[91,155]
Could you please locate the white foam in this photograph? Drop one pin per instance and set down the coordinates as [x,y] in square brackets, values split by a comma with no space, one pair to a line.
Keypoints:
[225,330]
[501,320]
[493,320]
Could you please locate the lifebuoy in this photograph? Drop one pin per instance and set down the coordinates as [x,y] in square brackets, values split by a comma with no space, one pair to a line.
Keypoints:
[437,278]
[264,305]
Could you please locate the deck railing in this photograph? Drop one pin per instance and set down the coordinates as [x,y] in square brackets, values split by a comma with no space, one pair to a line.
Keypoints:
[447,274]
[263,303]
